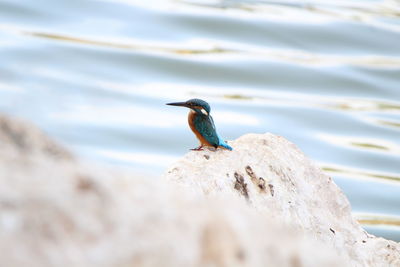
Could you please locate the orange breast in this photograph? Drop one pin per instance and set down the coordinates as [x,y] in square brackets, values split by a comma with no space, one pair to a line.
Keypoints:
[203,141]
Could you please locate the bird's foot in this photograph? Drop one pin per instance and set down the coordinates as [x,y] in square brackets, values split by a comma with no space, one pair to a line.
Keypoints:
[197,148]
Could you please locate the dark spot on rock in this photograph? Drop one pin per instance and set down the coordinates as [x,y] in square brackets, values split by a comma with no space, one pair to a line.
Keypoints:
[265,142]
[388,246]
[16,136]
[206,156]
[271,189]
[57,152]
[250,172]
[240,255]
[290,202]
[277,172]
[174,170]
[7,204]
[85,184]
[295,261]
[240,185]
[261,184]
[333,231]
[364,241]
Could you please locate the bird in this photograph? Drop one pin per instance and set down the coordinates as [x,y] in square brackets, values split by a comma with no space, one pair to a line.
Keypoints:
[202,124]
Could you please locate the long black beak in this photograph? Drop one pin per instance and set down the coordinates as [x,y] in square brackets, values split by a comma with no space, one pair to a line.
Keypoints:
[179,104]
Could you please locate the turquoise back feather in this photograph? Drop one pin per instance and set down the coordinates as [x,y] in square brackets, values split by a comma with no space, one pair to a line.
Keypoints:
[205,126]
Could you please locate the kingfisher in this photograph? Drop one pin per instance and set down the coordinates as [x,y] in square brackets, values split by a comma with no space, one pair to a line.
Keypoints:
[202,124]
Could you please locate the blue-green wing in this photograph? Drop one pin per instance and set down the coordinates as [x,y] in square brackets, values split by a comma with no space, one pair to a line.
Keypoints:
[205,125]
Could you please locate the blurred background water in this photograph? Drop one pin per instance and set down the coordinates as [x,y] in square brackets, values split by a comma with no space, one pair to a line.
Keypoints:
[324,74]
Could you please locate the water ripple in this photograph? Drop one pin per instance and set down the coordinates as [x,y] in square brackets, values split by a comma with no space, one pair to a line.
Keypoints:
[334,169]
[378,219]
[225,51]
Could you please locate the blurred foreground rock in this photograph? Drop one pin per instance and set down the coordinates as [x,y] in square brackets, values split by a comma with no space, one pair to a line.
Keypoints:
[273,176]
[55,211]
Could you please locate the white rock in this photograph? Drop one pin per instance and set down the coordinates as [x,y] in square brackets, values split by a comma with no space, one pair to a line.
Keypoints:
[55,211]
[278,180]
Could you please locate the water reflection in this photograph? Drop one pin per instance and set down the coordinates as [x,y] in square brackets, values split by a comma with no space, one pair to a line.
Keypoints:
[354,173]
[375,219]
[363,143]
[389,123]
[355,10]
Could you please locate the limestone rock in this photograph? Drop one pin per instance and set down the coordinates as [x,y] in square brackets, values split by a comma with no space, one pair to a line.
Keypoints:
[55,211]
[274,177]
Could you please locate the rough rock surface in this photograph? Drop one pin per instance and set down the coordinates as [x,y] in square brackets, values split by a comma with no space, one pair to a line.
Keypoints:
[277,179]
[55,211]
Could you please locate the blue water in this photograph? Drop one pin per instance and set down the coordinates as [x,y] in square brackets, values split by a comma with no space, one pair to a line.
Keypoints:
[95,75]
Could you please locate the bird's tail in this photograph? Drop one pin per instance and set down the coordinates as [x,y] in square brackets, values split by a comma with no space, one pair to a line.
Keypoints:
[225,145]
